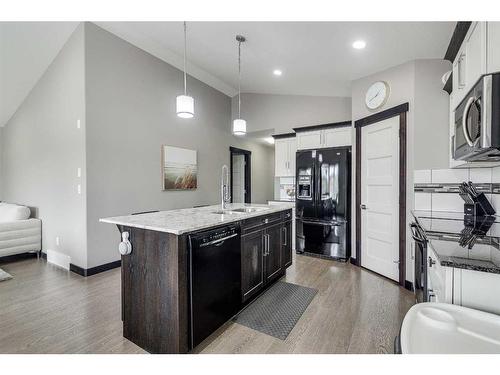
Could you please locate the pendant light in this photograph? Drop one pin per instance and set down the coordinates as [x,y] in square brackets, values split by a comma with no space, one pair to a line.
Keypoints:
[239,125]
[185,103]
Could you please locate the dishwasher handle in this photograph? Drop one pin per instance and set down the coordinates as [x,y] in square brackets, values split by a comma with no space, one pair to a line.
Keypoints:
[218,241]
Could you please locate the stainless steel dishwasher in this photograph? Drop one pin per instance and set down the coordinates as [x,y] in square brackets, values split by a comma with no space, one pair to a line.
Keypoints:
[214,279]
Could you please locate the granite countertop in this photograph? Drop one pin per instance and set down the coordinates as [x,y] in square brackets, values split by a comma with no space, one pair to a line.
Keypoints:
[191,219]
[444,231]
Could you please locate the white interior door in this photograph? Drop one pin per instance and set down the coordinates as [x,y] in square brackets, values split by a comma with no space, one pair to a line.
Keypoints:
[380,197]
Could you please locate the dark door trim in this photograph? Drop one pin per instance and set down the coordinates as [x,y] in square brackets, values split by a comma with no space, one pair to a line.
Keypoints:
[400,111]
[248,171]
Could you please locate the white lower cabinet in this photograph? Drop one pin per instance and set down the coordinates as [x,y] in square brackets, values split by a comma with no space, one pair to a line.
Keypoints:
[478,290]
[439,279]
[474,289]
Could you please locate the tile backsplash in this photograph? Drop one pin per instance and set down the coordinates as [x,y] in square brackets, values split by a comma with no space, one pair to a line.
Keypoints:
[451,201]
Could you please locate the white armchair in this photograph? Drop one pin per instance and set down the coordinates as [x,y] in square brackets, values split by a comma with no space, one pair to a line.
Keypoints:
[18,232]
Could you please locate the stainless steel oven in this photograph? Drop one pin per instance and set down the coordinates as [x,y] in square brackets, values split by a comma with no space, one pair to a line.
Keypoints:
[477,122]
[420,281]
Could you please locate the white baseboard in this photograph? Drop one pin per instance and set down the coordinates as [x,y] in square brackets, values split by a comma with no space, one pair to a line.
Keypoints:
[59,259]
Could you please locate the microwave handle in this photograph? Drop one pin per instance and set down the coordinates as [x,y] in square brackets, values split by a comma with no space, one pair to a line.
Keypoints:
[464,120]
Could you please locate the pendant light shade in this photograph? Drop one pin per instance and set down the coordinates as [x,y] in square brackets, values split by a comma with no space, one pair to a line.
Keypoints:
[185,103]
[239,125]
[185,106]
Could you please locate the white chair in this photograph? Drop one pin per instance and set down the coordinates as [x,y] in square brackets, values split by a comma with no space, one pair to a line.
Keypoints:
[18,232]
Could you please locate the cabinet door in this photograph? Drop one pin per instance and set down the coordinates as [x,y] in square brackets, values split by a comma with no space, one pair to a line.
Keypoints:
[493,50]
[281,148]
[252,272]
[273,251]
[453,163]
[459,82]
[337,137]
[309,140]
[475,52]
[292,151]
[480,290]
[286,244]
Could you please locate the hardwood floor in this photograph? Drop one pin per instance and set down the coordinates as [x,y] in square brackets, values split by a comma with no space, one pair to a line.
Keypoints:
[48,310]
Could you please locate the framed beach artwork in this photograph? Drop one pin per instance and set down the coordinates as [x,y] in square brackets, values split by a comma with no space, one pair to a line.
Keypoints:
[179,168]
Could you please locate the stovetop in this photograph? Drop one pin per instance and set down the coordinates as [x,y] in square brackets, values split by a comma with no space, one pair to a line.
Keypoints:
[474,246]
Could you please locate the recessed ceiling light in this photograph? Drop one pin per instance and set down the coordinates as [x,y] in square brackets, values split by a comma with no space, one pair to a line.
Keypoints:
[359,44]
[277,72]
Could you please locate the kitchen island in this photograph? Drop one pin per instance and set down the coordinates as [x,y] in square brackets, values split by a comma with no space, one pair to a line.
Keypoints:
[159,277]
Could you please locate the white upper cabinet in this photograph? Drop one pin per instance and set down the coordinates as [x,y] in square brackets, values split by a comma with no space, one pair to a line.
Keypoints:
[475,45]
[478,55]
[470,62]
[493,47]
[337,137]
[309,139]
[284,157]
[292,155]
[328,137]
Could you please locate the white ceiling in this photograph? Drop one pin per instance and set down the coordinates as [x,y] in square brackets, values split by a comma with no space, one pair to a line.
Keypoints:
[26,51]
[316,57]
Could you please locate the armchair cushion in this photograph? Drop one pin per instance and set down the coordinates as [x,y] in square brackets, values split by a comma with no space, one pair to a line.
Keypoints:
[13,212]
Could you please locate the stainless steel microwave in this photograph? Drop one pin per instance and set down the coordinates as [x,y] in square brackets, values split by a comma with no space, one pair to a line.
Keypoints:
[477,122]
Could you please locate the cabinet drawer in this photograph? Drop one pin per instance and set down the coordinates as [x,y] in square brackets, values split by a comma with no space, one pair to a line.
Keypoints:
[255,223]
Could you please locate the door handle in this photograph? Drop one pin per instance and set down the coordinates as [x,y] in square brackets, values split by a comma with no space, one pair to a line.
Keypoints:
[284,236]
[362,206]
[266,244]
[431,262]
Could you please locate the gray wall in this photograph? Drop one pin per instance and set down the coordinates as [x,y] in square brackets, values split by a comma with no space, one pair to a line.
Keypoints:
[130,99]
[431,117]
[42,150]
[282,113]
[1,159]
[419,83]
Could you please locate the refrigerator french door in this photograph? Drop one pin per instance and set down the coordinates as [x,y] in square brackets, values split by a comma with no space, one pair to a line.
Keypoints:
[323,202]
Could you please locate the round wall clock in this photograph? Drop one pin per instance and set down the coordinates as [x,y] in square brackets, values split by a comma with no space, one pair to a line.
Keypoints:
[377,95]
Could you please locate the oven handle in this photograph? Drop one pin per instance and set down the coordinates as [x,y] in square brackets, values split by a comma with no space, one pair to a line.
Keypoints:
[415,233]
[464,121]
[218,241]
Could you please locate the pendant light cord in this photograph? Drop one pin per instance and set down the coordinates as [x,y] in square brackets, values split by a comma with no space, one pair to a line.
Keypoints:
[185,42]
[239,79]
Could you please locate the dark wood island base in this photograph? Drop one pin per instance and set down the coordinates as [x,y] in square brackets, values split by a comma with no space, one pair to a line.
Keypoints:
[155,278]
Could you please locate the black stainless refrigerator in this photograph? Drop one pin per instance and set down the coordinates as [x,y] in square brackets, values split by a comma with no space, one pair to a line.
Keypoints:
[323,202]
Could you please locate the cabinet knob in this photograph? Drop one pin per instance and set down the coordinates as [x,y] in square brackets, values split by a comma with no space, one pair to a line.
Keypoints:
[125,247]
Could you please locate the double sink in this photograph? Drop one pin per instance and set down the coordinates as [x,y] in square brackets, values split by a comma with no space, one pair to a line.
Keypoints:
[238,211]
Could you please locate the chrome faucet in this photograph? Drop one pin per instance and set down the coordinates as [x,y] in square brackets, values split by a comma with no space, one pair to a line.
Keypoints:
[224,187]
